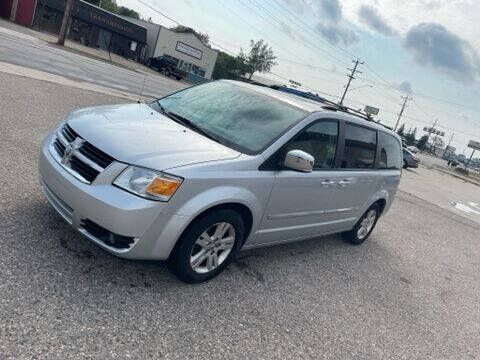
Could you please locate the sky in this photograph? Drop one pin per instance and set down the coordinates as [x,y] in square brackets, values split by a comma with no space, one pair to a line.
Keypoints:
[428,50]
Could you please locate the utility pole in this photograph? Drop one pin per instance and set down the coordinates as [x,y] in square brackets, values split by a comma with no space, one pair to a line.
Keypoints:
[406,98]
[66,18]
[470,159]
[451,137]
[350,78]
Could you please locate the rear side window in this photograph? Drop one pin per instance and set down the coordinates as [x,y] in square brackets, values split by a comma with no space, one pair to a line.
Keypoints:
[360,148]
[390,155]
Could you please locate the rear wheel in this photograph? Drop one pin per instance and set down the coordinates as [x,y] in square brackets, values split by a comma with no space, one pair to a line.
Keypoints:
[208,246]
[364,227]
[405,164]
[167,72]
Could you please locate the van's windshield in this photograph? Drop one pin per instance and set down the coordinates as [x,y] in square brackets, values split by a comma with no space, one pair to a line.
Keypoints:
[238,117]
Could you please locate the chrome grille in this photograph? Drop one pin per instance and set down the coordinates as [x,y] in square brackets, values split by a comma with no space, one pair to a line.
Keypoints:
[80,158]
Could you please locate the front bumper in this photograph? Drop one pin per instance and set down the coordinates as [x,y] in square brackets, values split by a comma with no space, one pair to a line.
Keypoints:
[151,226]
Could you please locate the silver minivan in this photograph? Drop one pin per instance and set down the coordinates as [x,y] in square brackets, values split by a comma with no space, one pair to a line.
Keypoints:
[200,174]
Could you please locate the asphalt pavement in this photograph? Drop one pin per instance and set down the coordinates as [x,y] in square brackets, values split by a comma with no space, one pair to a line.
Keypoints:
[412,291]
[21,48]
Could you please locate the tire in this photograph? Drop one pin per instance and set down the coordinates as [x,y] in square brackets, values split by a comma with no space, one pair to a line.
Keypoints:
[356,236]
[178,78]
[405,164]
[193,260]
[167,72]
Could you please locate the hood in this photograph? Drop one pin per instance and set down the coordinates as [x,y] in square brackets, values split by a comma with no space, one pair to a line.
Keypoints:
[138,135]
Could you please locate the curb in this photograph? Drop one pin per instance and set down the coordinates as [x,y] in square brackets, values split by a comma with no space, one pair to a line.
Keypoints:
[471,181]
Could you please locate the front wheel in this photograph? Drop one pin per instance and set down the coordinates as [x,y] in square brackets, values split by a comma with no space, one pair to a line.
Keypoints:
[208,246]
[364,227]
[405,164]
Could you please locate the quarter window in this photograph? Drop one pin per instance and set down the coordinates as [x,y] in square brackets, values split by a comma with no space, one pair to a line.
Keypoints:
[360,148]
[318,140]
[390,155]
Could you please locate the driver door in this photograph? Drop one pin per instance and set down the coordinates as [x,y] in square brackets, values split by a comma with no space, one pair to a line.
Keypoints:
[302,204]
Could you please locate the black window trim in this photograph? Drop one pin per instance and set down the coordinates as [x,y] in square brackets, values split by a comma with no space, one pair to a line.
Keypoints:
[377,167]
[270,165]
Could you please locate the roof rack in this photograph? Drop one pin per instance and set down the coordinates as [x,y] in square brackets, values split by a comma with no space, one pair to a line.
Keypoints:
[328,105]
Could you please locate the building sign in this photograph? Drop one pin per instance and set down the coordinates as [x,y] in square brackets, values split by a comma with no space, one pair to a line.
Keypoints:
[294,83]
[432,130]
[188,50]
[99,18]
[370,110]
[474,145]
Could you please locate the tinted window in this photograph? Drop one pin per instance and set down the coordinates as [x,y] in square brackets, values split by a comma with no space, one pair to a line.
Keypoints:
[240,117]
[360,147]
[390,155]
[318,140]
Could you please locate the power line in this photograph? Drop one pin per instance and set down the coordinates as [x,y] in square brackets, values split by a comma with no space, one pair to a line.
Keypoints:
[383,83]
[311,46]
[323,52]
[335,47]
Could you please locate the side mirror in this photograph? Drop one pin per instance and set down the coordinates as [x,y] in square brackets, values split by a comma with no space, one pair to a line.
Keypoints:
[299,160]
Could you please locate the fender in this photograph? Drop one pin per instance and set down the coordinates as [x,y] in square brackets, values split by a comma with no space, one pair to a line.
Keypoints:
[201,202]
[379,195]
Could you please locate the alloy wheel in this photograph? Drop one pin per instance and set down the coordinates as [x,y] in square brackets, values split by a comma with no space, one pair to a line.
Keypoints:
[367,224]
[212,247]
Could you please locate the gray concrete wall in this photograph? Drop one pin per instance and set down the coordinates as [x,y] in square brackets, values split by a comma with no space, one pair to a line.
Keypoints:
[168,44]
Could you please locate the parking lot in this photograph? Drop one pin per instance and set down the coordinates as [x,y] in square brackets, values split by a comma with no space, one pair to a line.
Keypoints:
[411,292]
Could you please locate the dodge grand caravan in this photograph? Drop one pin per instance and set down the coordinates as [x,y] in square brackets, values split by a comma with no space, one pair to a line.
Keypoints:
[197,175]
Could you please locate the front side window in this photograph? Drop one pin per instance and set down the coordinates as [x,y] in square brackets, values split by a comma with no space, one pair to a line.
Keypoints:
[390,155]
[360,147]
[318,140]
[239,117]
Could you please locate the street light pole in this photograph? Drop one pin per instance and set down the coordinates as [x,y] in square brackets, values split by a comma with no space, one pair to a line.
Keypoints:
[66,17]
[468,162]
[433,129]
[451,137]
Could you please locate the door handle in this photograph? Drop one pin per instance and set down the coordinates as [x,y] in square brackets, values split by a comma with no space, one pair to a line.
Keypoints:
[327,182]
[345,182]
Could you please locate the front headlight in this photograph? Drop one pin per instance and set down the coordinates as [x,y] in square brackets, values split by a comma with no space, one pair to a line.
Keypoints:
[147,183]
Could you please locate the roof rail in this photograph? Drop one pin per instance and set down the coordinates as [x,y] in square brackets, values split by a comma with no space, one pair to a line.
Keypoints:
[329,105]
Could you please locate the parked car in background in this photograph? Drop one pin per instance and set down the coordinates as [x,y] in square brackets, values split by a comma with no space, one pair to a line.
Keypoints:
[412,149]
[167,65]
[409,159]
[200,174]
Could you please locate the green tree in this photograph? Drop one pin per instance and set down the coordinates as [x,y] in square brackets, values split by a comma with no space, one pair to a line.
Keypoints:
[401,130]
[122,10]
[260,58]
[204,38]
[111,5]
[410,136]
[422,142]
[228,67]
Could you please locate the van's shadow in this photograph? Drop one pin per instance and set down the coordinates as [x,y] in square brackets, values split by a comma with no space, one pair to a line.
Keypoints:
[66,252]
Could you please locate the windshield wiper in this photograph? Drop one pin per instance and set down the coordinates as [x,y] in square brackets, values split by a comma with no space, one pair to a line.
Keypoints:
[162,109]
[191,125]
